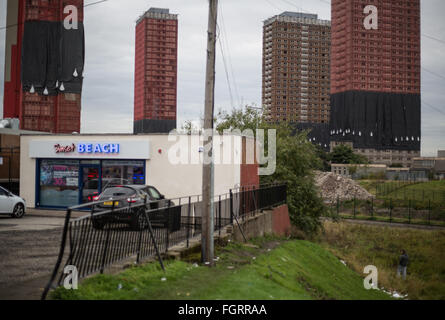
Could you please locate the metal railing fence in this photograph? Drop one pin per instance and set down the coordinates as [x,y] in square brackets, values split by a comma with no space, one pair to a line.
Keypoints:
[103,238]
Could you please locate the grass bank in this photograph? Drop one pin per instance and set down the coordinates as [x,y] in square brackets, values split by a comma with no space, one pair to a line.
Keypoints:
[266,269]
[431,191]
[362,245]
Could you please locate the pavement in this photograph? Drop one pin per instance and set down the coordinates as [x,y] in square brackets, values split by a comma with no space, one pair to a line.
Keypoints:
[36,220]
[28,252]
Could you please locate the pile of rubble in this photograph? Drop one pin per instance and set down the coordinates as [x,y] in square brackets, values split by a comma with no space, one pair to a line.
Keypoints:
[333,187]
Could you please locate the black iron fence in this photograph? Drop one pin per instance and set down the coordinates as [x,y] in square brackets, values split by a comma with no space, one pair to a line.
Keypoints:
[407,190]
[408,211]
[103,238]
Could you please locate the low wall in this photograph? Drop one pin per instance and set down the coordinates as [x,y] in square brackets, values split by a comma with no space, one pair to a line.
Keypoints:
[274,221]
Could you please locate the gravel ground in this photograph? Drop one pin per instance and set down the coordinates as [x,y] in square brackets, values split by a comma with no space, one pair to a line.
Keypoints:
[26,256]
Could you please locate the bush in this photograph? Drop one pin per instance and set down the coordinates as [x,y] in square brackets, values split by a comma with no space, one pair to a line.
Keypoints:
[296,160]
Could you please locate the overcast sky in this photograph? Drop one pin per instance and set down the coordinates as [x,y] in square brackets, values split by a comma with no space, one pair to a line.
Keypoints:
[107,104]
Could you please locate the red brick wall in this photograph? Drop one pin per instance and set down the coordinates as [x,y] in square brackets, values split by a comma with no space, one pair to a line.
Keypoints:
[382,60]
[156,69]
[140,70]
[281,222]
[249,172]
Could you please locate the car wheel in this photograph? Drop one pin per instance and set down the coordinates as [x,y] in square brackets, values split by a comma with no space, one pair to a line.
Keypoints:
[19,211]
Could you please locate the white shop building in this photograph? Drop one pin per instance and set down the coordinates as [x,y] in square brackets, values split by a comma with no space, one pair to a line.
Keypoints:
[59,171]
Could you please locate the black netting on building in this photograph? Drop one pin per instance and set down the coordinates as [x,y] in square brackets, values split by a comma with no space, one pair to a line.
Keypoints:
[52,58]
[374,120]
[318,133]
[154,126]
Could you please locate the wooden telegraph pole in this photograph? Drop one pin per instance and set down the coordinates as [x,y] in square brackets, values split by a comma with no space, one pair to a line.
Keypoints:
[208,167]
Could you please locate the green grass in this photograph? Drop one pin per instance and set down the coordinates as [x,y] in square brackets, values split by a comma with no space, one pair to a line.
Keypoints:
[270,269]
[433,191]
[424,201]
[362,245]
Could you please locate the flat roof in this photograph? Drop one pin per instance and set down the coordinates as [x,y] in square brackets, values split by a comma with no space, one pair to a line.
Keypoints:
[40,134]
[299,15]
[158,13]
[15,132]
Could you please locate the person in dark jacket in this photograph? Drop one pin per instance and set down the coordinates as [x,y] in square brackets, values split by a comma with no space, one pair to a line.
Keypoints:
[403,265]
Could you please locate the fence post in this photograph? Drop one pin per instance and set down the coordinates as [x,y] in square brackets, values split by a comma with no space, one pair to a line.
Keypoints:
[231,206]
[355,207]
[140,234]
[338,206]
[429,212]
[188,221]
[390,210]
[167,237]
[219,218]
[409,211]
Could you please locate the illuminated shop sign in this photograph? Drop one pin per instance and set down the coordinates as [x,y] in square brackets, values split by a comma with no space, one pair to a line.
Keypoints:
[90,149]
[65,149]
[98,148]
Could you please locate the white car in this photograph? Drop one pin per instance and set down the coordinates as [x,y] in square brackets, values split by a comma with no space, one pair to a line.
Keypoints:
[11,204]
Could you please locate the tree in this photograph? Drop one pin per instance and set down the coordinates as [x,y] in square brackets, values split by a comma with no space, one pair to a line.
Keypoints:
[324,157]
[343,154]
[296,160]
[241,119]
[188,127]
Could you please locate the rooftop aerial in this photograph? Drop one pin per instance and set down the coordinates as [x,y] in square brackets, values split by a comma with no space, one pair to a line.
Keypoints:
[158,13]
[299,15]
[159,10]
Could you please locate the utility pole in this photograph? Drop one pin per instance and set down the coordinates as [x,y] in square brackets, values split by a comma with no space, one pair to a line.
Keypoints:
[208,166]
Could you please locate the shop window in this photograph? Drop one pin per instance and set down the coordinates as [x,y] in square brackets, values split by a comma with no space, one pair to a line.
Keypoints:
[131,172]
[59,183]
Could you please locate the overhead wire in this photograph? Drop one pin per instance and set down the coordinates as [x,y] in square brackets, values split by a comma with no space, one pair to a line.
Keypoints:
[229,56]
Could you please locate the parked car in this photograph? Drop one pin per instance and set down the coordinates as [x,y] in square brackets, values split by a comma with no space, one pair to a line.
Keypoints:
[90,188]
[11,204]
[156,198]
[131,197]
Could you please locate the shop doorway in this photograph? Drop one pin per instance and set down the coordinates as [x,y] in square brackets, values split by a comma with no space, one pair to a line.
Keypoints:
[90,183]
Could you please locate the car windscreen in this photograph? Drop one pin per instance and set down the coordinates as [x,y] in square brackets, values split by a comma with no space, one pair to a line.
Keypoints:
[117,192]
